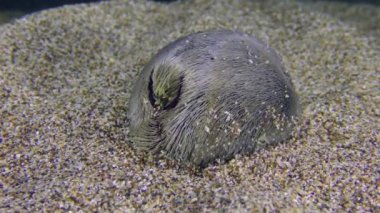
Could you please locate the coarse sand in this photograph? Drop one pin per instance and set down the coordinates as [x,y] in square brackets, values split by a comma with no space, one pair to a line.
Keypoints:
[65,81]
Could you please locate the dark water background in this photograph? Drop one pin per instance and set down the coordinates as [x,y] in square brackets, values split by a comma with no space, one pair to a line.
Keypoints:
[11,9]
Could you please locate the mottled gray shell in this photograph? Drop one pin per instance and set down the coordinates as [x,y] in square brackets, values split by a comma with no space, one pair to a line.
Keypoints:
[222,93]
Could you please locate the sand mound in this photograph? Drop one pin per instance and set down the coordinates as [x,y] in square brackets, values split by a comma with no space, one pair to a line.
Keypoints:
[65,80]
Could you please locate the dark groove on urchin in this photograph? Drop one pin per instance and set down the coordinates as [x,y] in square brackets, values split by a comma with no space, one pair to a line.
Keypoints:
[151,95]
[175,101]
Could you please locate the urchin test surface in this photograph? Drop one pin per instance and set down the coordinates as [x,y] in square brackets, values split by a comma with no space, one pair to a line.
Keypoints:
[211,95]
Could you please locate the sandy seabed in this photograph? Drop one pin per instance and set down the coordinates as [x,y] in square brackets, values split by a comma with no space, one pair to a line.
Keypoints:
[65,81]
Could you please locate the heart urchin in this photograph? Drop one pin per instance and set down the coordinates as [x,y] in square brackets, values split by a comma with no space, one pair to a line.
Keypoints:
[211,95]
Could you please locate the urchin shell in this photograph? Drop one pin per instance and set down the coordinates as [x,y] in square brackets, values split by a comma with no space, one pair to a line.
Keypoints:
[211,95]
